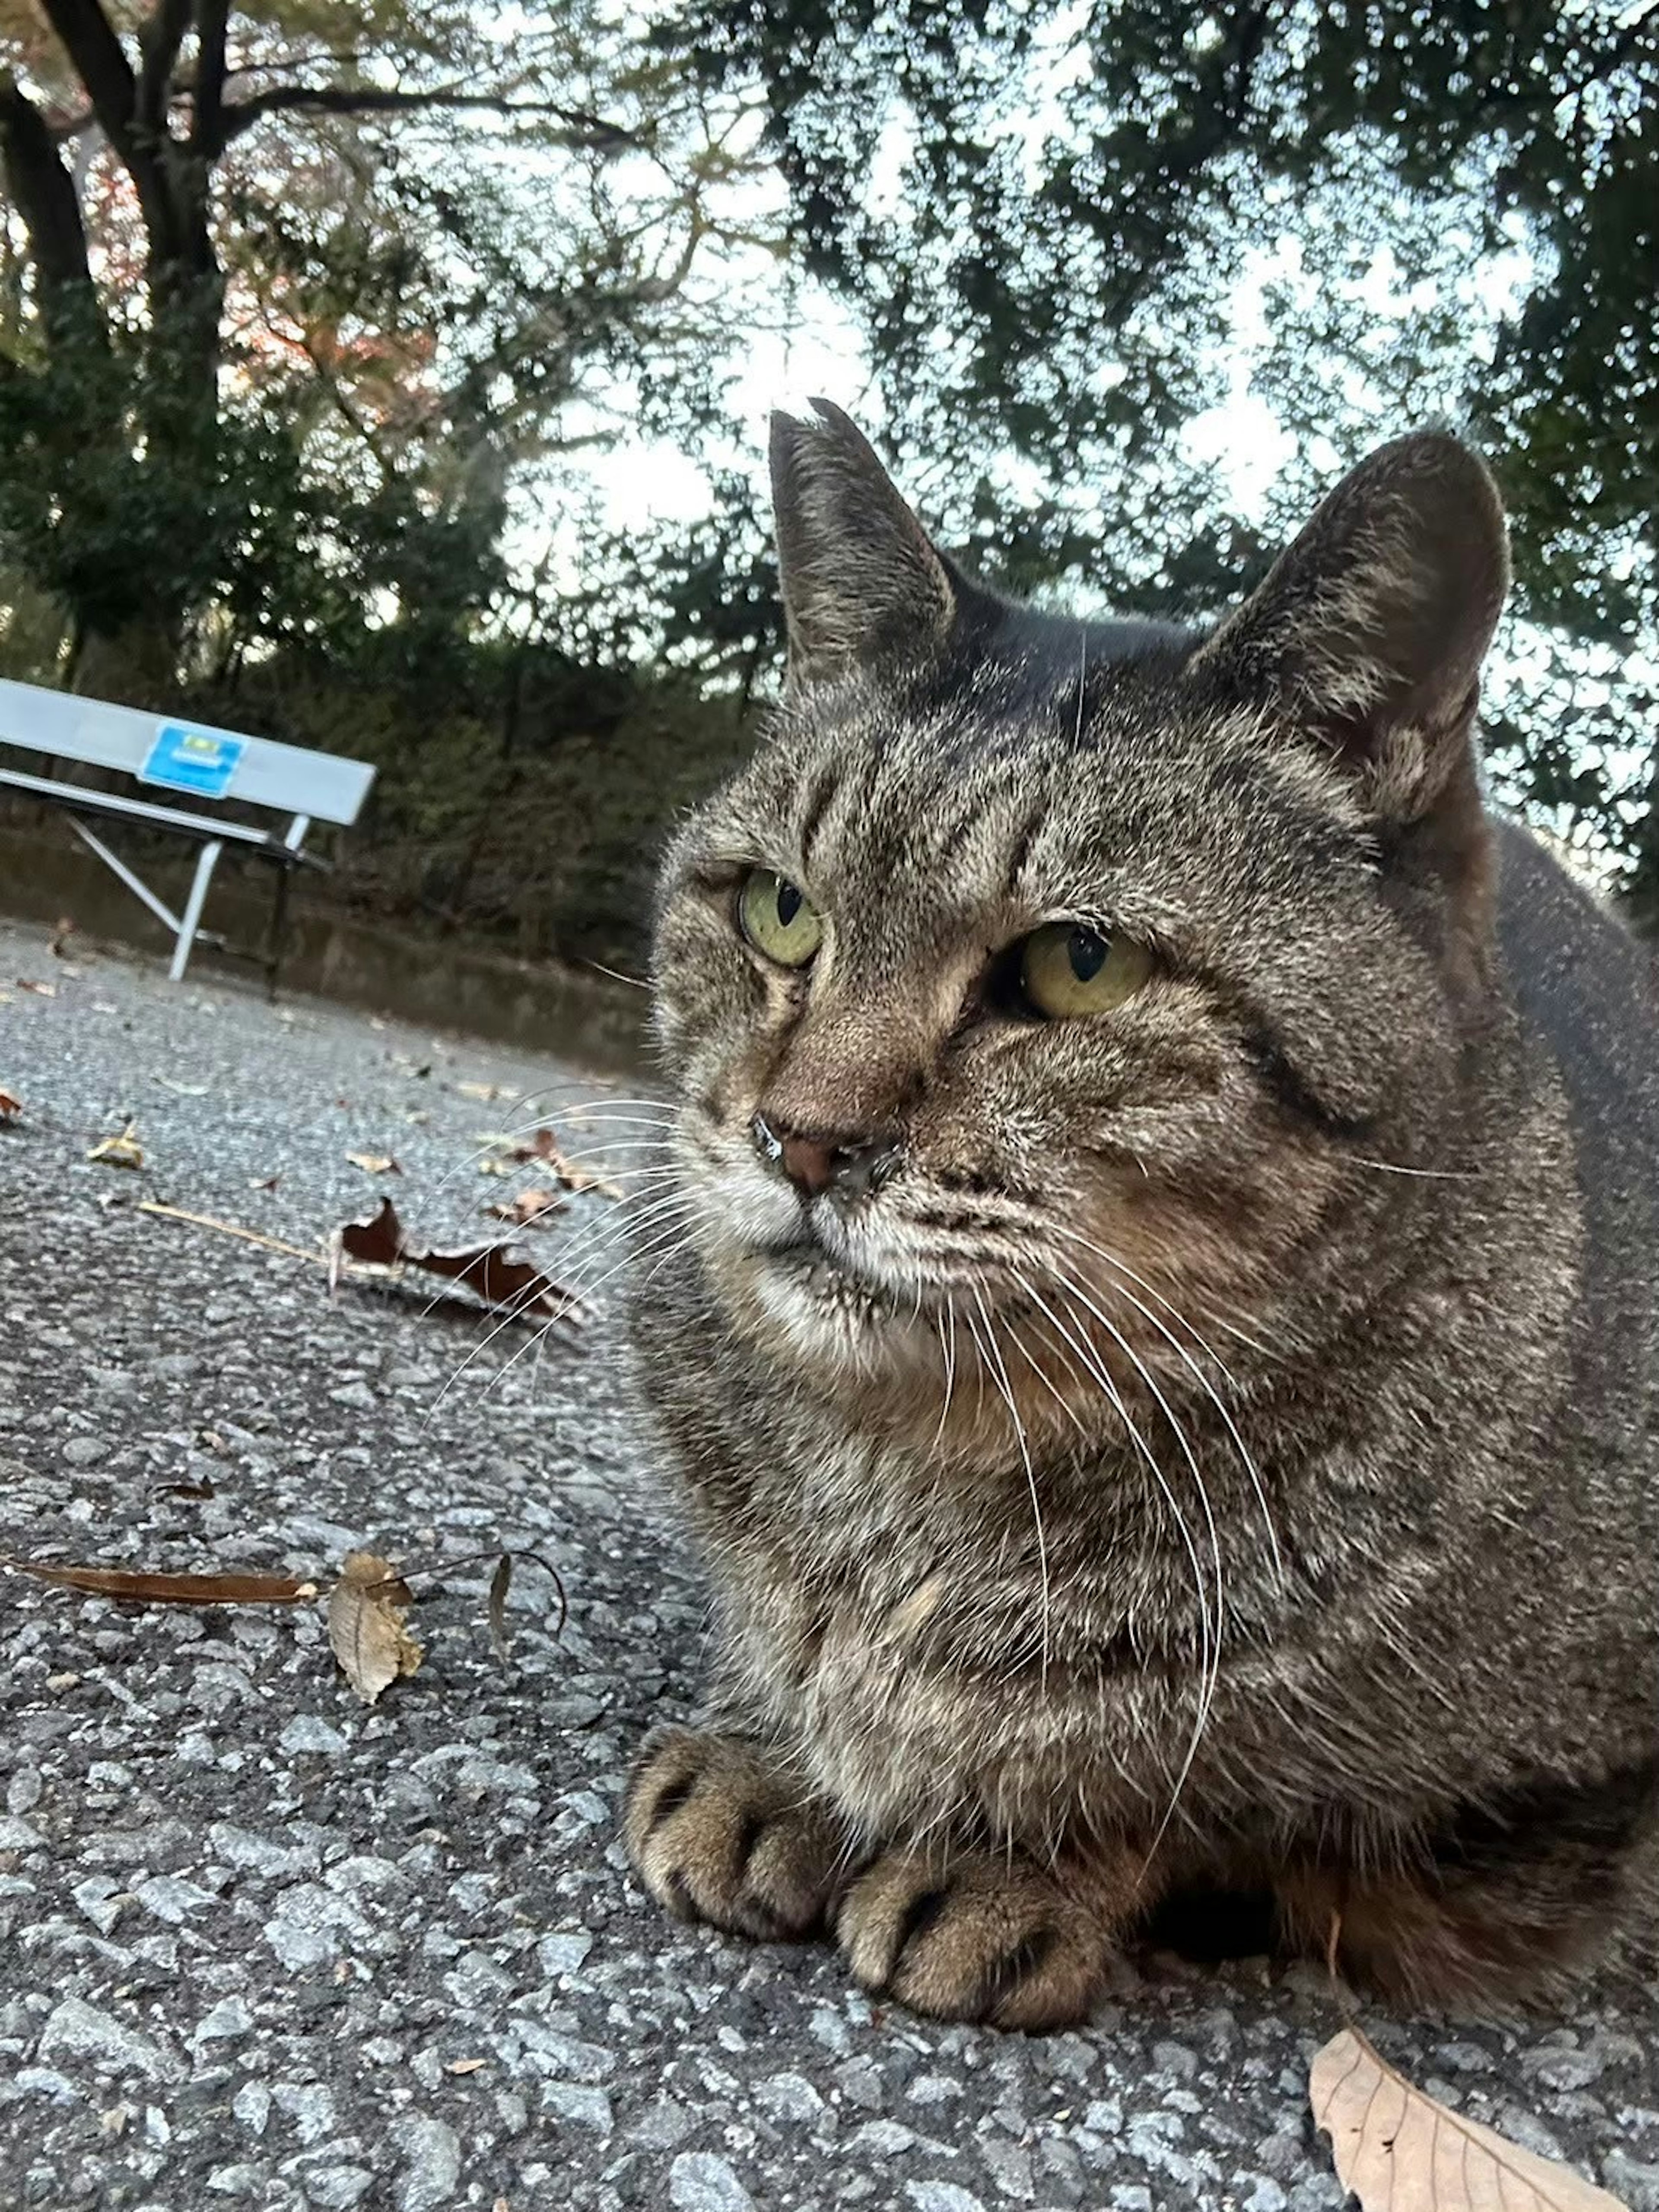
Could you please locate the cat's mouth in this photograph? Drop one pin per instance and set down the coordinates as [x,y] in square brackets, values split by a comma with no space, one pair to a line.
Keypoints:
[810,1270]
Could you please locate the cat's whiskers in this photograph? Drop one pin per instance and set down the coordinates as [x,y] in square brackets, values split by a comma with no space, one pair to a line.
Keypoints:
[1429,1175]
[1251,1470]
[607,1225]
[1075,1290]
[521,1130]
[1209,1630]
[948,1347]
[666,1240]
[999,1375]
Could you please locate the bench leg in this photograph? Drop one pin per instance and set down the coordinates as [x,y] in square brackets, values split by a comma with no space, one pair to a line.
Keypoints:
[278,929]
[135,885]
[192,914]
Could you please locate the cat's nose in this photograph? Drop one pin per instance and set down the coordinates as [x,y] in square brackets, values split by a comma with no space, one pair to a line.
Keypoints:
[845,1162]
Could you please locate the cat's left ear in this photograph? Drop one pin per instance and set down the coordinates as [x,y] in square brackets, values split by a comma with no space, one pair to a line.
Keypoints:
[1369,632]
[862,581]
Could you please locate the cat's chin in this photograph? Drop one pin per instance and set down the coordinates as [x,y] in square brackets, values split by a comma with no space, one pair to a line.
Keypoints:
[798,1302]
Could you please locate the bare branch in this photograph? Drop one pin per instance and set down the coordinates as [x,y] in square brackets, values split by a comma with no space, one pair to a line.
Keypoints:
[583,129]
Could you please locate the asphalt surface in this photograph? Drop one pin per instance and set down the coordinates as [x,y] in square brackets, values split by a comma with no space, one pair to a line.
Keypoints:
[263,1946]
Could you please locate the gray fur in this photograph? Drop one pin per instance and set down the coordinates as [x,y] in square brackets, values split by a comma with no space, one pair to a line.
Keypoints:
[1321,1553]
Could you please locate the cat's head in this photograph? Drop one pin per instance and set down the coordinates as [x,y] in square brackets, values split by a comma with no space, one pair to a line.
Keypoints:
[1045,999]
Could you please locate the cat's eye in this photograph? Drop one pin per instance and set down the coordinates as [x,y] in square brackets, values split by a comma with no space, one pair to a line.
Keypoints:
[1068,970]
[778,919]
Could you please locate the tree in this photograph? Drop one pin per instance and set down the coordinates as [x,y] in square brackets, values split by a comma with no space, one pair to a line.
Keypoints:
[293,288]
[1065,232]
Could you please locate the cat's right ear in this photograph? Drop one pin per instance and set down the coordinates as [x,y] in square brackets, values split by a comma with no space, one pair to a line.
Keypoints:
[862,583]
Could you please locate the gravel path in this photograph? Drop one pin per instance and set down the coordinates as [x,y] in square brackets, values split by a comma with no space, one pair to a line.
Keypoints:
[261,1946]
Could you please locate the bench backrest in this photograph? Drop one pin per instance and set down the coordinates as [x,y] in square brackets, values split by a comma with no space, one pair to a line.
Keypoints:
[172,753]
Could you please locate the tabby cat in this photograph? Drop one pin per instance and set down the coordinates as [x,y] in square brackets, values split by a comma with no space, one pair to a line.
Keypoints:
[1159,1354]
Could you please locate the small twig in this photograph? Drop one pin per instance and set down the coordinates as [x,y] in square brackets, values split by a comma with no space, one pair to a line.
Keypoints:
[232,1228]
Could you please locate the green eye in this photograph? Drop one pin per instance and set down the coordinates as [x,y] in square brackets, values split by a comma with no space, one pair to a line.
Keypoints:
[1066,969]
[777,920]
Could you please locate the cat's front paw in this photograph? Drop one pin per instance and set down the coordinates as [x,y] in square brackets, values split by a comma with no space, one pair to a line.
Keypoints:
[718,1834]
[980,1938]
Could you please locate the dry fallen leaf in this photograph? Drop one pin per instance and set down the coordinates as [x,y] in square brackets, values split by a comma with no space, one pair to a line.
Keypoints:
[140,1587]
[465,2065]
[485,1091]
[365,1625]
[122,1152]
[528,1206]
[499,1582]
[40,990]
[1397,2148]
[374,1163]
[489,1269]
[10,1108]
[60,936]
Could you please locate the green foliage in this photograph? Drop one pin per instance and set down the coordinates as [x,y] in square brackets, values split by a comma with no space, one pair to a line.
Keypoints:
[1067,236]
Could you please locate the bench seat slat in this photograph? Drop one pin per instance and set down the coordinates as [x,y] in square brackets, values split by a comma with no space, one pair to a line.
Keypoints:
[112,806]
[288,778]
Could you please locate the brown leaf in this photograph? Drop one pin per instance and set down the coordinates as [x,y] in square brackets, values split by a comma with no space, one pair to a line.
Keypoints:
[499,1582]
[40,990]
[10,1108]
[528,1206]
[489,1269]
[465,2065]
[122,1152]
[1397,2148]
[365,1625]
[144,1587]
[374,1163]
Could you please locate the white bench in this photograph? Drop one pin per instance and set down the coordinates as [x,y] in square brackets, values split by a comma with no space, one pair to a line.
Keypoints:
[169,754]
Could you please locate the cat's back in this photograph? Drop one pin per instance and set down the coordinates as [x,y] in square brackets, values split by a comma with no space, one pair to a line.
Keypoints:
[1587,994]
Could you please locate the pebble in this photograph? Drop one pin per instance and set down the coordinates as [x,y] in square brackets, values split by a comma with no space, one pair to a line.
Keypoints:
[700,2181]
[224,2023]
[74,2028]
[310,1732]
[431,2162]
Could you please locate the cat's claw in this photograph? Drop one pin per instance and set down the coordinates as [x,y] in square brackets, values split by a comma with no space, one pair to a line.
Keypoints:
[977,1939]
[717,1834]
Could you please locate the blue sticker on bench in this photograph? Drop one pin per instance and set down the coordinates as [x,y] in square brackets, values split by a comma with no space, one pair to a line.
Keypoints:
[199,761]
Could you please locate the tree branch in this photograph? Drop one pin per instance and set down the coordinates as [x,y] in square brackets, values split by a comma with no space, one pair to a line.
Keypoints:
[100,61]
[158,49]
[43,192]
[207,131]
[583,129]
[83,31]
